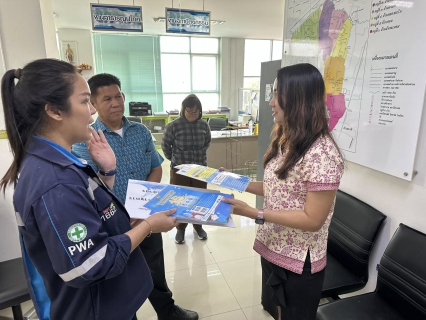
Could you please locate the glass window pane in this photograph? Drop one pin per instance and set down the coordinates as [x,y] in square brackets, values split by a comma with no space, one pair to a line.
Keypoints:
[277,50]
[174,44]
[204,45]
[209,101]
[252,83]
[175,72]
[204,72]
[173,101]
[255,52]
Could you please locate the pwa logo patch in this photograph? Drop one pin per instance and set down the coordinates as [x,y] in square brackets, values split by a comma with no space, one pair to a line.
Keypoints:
[77,232]
[82,246]
[109,212]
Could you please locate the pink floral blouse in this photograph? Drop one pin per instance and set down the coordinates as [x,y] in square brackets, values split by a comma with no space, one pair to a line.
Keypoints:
[320,169]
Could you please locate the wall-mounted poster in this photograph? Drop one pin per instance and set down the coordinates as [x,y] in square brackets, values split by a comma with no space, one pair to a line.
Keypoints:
[69,52]
[187,21]
[114,18]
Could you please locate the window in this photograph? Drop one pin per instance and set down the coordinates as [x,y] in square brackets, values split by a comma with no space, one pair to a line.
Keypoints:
[189,65]
[256,52]
[163,78]
[135,61]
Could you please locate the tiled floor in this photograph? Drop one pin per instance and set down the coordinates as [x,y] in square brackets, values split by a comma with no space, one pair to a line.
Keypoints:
[219,278]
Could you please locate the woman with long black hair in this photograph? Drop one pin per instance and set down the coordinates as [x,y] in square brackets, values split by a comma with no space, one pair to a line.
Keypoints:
[303,167]
[79,249]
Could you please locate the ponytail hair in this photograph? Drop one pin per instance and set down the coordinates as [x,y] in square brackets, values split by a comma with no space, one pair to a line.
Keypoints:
[40,83]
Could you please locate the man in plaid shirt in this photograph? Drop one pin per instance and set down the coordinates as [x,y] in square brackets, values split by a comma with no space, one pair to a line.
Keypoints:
[185,141]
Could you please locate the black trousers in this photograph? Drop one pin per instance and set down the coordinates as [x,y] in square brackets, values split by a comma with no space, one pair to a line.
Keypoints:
[161,296]
[298,295]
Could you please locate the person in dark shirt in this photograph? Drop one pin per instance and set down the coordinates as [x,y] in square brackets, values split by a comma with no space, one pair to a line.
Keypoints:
[80,250]
[185,141]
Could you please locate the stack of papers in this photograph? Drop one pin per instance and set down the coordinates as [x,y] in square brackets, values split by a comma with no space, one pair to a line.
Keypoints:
[224,179]
[193,205]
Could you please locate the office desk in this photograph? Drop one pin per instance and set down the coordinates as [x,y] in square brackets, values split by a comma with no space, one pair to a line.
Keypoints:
[204,116]
[231,152]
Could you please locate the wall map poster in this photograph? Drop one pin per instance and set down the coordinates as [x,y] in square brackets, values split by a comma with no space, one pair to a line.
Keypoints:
[370,53]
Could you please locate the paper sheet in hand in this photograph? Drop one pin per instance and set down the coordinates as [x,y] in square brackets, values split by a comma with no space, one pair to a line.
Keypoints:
[193,205]
[224,179]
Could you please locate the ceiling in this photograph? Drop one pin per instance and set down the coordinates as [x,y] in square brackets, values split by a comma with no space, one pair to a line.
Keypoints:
[252,19]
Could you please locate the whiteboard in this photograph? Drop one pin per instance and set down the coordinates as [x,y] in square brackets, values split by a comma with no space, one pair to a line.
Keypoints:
[371,54]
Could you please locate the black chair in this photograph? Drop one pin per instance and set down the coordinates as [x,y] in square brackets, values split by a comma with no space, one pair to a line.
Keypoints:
[217,124]
[352,234]
[135,119]
[13,286]
[401,284]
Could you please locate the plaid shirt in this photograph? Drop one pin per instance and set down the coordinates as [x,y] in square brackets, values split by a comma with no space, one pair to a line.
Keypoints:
[186,142]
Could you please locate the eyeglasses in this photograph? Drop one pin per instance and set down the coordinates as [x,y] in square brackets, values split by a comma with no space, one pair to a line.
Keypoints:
[192,112]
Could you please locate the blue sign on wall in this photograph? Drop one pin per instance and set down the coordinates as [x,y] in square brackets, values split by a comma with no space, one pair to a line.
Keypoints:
[114,18]
[187,21]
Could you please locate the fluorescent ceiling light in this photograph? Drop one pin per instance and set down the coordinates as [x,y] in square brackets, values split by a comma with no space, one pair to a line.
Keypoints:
[162,19]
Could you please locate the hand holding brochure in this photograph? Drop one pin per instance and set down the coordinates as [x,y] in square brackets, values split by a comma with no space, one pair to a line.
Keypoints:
[193,205]
[224,179]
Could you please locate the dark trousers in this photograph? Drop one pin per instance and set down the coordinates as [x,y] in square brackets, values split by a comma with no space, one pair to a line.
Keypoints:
[298,295]
[161,296]
[180,180]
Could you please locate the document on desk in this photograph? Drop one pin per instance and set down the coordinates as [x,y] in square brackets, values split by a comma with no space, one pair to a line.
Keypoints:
[193,205]
[224,179]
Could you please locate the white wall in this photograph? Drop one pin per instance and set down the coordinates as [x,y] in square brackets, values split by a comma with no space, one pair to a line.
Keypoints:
[49,29]
[21,43]
[83,37]
[232,73]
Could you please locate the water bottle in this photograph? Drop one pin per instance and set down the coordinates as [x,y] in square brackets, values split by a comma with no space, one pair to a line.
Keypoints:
[250,125]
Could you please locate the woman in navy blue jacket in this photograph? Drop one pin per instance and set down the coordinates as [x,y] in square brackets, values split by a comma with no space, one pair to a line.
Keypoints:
[80,251]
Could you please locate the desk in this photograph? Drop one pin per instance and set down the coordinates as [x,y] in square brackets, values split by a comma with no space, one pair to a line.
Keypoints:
[243,148]
[205,116]
[151,121]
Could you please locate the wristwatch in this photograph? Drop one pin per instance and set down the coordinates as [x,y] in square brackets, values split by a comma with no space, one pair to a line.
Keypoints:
[259,219]
[109,173]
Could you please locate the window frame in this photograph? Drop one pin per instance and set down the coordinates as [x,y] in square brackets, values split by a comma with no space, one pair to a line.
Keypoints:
[191,55]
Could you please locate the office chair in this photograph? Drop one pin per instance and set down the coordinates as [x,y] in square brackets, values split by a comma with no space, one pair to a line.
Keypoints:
[217,124]
[13,287]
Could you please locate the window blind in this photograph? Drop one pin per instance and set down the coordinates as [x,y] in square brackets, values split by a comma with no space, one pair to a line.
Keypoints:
[135,60]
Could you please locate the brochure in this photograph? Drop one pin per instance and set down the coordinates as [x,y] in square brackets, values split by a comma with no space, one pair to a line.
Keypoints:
[224,179]
[193,205]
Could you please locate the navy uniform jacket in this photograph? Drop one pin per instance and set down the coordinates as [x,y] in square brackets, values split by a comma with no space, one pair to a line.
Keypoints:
[76,255]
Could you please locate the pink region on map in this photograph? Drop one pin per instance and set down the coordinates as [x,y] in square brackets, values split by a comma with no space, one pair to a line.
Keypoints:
[336,24]
[336,108]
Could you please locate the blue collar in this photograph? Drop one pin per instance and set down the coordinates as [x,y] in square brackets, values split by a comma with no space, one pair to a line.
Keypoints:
[63,151]
[98,124]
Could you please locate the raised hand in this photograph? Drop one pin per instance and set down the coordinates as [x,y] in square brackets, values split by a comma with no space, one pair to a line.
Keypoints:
[101,152]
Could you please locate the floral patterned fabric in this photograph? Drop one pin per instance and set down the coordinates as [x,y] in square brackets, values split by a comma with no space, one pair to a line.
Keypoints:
[320,169]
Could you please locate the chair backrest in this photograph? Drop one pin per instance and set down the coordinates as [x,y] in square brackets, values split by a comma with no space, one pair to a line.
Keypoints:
[13,284]
[217,124]
[135,119]
[353,232]
[402,273]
